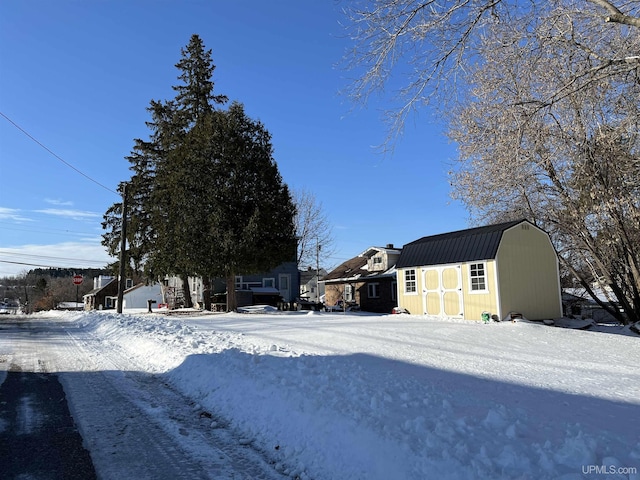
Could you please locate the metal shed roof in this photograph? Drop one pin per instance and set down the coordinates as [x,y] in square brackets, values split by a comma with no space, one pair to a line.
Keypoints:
[479,243]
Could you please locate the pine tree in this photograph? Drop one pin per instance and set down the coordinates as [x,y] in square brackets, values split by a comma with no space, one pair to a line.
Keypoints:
[195,97]
[250,227]
[207,198]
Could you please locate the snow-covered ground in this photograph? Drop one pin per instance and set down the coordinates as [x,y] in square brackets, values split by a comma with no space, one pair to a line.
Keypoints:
[357,396]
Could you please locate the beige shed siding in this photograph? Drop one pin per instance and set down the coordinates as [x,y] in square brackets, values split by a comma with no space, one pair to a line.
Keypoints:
[412,301]
[528,274]
[477,303]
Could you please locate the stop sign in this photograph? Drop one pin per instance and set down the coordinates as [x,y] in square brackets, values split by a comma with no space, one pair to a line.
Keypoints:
[77,279]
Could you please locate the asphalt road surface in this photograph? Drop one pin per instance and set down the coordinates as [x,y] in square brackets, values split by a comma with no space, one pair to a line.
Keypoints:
[39,438]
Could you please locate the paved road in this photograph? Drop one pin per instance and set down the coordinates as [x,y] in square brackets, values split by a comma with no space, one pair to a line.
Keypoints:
[38,438]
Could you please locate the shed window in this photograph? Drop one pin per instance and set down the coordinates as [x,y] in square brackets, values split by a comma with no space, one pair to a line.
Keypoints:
[269,282]
[410,281]
[477,272]
[373,290]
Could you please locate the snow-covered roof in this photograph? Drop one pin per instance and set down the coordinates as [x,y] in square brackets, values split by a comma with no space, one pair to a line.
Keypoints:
[265,290]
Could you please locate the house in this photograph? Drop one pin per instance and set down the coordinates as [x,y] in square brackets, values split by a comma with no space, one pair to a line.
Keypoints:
[311,289]
[278,287]
[368,280]
[105,290]
[139,295]
[502,269]
[577,301]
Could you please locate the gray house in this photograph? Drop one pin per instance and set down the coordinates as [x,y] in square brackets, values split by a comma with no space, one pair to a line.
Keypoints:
[278,287]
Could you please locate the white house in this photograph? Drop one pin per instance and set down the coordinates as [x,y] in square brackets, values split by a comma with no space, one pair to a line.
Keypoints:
[139,295]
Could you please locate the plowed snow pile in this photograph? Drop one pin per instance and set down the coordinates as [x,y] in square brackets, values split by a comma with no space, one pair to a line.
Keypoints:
[358,396]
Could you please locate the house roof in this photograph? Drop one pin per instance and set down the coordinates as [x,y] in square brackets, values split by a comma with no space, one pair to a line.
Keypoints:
[307,276]
[355,269]
[479,243]
[349,269]
[99,289]
[135,287]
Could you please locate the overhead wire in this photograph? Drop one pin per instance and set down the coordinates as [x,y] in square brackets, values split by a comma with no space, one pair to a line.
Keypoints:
[44,261]
[49,231]
[44,257]
[55,155]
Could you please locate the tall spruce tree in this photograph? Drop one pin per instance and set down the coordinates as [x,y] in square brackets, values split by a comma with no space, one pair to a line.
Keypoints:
[154,231]
[206,198]
[177,183]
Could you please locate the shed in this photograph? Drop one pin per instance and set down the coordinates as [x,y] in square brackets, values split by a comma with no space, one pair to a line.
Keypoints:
[502,269]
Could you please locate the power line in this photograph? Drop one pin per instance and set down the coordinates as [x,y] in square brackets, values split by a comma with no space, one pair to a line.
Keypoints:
[44,258]
[49,231]
[45,265]
[55,155]
[96,262]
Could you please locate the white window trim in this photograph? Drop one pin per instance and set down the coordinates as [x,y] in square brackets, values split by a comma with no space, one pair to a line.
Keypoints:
[415,281]
[485,276]
[370,285]
[348,293]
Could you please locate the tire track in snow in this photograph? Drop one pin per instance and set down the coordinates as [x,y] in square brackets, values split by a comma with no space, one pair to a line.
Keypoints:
[137,426]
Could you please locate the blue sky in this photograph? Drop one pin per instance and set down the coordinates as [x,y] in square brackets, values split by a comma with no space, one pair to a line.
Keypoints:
[78,76]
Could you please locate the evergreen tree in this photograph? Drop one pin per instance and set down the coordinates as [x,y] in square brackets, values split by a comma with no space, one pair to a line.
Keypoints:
[206,198]
[195,96]
[250,223]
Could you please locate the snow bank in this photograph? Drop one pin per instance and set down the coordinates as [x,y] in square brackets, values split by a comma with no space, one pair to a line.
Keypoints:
[376,397]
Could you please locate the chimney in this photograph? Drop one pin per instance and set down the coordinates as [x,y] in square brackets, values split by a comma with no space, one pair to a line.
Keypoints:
[389,245]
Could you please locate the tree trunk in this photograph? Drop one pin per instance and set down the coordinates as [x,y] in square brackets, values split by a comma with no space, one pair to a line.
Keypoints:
[206,292]
[232,302]
[188,302]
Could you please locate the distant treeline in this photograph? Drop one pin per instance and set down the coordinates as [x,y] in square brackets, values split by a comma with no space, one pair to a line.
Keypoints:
[68,272]
[51,273]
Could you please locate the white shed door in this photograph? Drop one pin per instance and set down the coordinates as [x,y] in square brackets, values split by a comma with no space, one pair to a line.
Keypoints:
[442,291]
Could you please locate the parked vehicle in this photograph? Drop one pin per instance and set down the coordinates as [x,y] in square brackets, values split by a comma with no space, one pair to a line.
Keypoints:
[306,304]
[340,307]
[8,307]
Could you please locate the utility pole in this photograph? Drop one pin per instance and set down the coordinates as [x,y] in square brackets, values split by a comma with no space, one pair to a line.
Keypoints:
[123,249]
[317,270]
